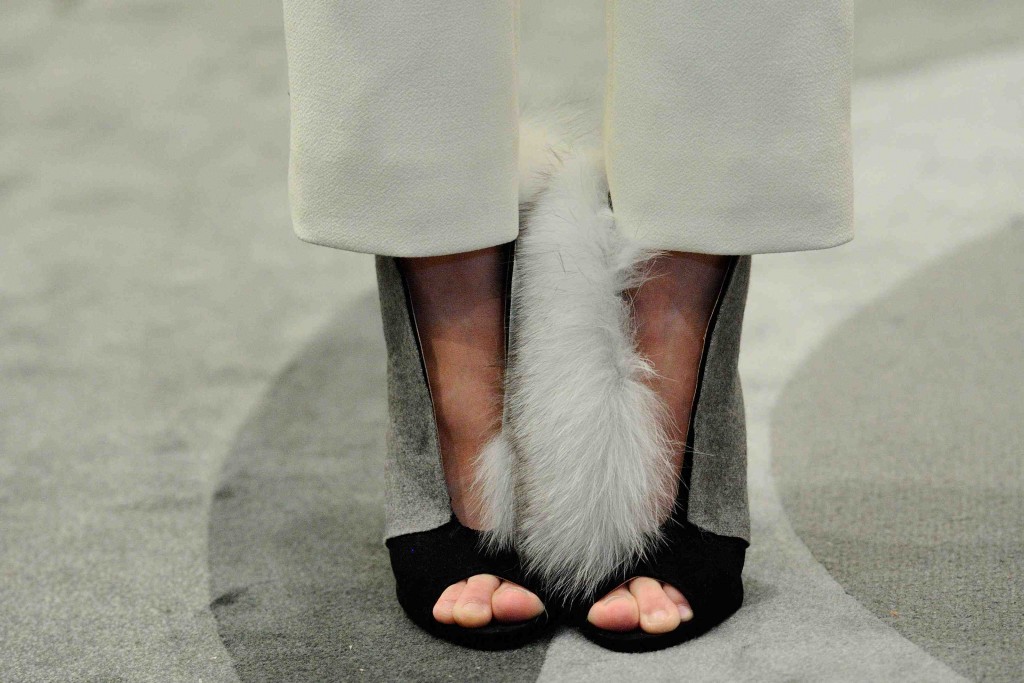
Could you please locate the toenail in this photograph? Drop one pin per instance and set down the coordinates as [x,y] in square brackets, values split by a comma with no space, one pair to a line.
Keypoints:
[685,613]
[659,616]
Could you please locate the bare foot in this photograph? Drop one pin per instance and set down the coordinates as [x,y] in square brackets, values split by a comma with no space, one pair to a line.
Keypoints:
[672,310]
[458,302]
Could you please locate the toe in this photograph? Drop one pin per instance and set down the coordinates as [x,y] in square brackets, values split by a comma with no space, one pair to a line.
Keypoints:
[617,611]
[514,603]
[443,608]
[658,614]
[473,608]
[685,611]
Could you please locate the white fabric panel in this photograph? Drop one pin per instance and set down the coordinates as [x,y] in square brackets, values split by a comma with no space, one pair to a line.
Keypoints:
[404,124]
[727,124]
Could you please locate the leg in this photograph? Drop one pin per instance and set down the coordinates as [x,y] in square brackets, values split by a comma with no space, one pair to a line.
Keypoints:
[403,144]
[672,310]
[750,154]
[458,301]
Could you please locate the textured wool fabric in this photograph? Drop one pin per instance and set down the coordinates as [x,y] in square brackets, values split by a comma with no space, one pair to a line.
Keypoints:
[718,475]
[416,494]
[726,124]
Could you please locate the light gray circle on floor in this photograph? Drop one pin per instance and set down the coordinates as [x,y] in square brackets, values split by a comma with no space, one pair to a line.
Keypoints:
[898,454]
[301,584]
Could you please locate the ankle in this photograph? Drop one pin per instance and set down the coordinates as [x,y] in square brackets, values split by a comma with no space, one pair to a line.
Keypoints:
[468,408]
[465,501]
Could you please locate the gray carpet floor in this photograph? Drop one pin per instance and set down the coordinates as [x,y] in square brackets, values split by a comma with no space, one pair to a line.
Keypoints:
[191,407]
[301,583]
[913,497]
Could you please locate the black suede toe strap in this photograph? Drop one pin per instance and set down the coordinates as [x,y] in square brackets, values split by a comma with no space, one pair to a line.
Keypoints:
[427,562]
[706,568]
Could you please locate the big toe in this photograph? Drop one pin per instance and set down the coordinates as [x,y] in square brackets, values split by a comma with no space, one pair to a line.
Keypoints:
[658,614]
[444,608]
[617,611]
[473,607]
[514,603]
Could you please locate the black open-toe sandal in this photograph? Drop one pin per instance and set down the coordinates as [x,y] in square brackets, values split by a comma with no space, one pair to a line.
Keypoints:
[427,562]
[429,548]
[705,567]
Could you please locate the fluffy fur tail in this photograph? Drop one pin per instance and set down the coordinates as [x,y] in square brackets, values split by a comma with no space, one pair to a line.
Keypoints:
[583,469]
[547,135]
